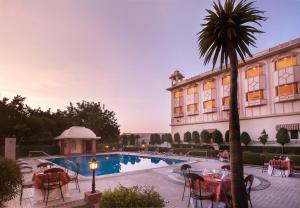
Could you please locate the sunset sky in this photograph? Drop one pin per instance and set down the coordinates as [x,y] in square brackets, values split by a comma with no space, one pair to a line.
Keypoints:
[118,52]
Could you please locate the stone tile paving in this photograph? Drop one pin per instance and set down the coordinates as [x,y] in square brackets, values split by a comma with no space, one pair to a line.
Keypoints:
[283,192]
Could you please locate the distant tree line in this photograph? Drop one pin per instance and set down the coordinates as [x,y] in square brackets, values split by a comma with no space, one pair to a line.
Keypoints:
[36,126]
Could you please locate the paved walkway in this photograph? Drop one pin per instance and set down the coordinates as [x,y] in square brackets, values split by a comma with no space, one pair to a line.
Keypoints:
[282,193]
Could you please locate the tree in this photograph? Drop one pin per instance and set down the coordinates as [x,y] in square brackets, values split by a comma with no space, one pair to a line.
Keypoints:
[263,138]
[187,137]
[132,139]
[124,139]
[245,138]
[155,139]
[10,180]
[282,137]
[196,137]
[217,137]
[177,138]
[227,136]
[167,138]
[205,136]
[227,33]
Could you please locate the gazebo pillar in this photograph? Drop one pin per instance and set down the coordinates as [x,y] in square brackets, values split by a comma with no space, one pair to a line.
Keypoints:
[83,146]
[69,146]
[94,146]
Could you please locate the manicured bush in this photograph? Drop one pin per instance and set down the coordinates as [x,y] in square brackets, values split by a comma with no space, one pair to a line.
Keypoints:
[124,139]
[205,136]
[132,148]
[133,197]
[196,137]
[167,138]
[177,138]
[163,149]
[282,137]
[10,180]
[263,138]
[227,136]
[155,139]
[187,137]
[245,138]
[152,148]
[217,137]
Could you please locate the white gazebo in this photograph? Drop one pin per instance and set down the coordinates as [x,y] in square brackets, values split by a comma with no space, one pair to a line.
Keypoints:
[77,140]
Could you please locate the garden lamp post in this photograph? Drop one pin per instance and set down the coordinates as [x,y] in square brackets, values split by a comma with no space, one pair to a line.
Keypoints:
[93,166]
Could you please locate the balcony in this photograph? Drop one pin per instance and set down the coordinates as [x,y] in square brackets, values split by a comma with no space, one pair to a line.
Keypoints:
[178,115]
[286,98]
[209,110]
[192,113]
[225,107]
[253,103]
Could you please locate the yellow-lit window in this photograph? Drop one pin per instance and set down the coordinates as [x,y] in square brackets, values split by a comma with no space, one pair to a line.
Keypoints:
[253,72]
[209,85]
[192,107]
[178,94]
[226,101]
[288,89]
[255,95]
[286,62]
[209,104]
[192,90]
[226,80]
[178,110]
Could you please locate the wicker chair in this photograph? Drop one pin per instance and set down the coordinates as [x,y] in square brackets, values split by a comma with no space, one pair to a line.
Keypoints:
[196,191]
[185,169]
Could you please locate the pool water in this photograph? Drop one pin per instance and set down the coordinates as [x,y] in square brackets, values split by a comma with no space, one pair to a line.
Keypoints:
[113,163]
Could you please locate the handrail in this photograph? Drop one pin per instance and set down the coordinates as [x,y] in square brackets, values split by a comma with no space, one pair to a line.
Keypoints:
[34,151]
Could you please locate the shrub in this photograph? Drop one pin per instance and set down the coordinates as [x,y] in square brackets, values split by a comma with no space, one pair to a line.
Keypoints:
[205,136]
[227,136]
[124,139]
[217,137]
[155,139]
[282,137]
[196,137]
[177,138]
[10,180]
[245,138]
[187,137]
[263,137]
[167,138]
[131,197]
[132,149]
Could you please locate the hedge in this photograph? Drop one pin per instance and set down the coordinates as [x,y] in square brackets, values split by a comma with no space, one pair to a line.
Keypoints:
[267,149]
[132,148]
[22,151]
[195,146]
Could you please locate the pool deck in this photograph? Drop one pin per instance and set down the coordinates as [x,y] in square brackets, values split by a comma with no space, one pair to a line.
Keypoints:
[282,193]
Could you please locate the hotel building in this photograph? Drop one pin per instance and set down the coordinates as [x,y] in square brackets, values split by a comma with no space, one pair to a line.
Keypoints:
[268,95]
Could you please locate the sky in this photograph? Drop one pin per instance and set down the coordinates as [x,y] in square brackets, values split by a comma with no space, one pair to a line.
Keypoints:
[118,52]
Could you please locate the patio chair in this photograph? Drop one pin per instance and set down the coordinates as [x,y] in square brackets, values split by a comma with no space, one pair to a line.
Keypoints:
[185,169]
[225,167]
[265,164]
[53,181]
[248,183]
[196,191]
[25,185]
[75,176]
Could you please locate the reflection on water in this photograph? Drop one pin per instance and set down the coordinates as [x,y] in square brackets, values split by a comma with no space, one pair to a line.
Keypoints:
[109,164]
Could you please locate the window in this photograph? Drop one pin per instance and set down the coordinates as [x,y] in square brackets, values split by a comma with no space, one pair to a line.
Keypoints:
[294,134]
[178,94]
[226,101]
[209,85]
[288,89]
[286,62]
[254,71]
[192,90]
[178,110]
[255,95]
[192,107]
[209,104]
[226,80]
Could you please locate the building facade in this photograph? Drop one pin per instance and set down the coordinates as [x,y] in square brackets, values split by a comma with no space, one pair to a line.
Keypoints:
[268,95]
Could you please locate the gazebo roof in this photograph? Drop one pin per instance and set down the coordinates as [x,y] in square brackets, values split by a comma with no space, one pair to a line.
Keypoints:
[77,132]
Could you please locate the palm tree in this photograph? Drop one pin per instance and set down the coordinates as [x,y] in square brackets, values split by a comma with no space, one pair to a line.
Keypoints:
[227,34]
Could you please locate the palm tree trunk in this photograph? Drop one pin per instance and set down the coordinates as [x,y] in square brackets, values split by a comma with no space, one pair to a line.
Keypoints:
[239,195]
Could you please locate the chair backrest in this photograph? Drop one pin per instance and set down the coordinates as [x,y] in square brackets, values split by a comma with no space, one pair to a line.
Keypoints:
[184,167]
[53,170]
[77,168]
[225,167]
[195,182]
[45,165]
[248,183]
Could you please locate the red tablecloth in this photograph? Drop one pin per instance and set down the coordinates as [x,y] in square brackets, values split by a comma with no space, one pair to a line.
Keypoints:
[224,154]
[40,178]
[217,186]
[286,164]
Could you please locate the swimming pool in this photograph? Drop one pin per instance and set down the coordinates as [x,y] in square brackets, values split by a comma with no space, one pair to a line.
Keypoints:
[113,163]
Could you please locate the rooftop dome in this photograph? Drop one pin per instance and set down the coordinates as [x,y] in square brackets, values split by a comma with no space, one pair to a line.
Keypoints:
[77,132]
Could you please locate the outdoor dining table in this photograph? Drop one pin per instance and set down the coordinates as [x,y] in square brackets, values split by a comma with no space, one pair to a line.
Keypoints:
[39,178]
[287,165]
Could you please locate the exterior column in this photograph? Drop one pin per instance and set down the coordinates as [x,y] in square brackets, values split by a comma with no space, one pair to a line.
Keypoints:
[69,146]
[94,146]
[83,143]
